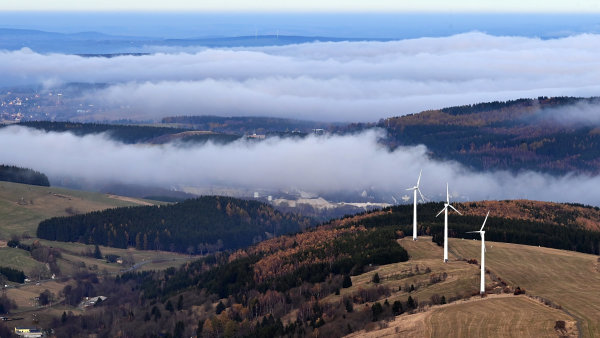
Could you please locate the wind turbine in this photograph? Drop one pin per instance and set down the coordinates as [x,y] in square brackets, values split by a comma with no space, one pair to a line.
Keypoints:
[415,189]
[482,233]
[445,210]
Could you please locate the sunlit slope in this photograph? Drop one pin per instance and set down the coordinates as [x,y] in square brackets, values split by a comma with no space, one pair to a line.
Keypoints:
[538,270]
[504,316]
[511,316]
[569,279]
[23,206]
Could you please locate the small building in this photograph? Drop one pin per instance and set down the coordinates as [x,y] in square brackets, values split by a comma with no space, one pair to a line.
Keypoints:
[91,301]
[256,136]
[28,332]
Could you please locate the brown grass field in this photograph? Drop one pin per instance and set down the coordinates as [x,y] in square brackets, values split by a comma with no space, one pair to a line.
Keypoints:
[462,277]
[502,316]
[568,279]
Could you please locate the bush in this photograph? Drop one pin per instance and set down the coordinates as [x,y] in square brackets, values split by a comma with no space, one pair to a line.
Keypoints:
[519,291]
[376,309]
[411,303]
[376,278]
[397,308]
[347,282]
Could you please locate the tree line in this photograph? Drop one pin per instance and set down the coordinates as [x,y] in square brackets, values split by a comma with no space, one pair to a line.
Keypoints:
[566,237]
[23,175]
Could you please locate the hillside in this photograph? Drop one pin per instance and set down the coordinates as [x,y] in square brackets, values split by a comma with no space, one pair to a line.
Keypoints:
[204,224]
[546,134]
[244,124]
[566,214]
[564,280]
[569,227]
[342,278]
[23,206]
[120,132]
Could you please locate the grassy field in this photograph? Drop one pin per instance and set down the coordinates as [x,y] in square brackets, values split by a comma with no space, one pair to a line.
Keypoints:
[24,295]
[520,316]
[23,206]
[18,259]
[462,280]
[567,278]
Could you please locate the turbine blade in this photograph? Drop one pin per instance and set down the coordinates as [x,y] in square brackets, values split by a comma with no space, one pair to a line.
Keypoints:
[419,180]
[447,194]
[420,193]
[485,220]
[450,205]
[440,212]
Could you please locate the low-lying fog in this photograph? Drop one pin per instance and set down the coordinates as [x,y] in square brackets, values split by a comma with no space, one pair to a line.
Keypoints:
[320,165]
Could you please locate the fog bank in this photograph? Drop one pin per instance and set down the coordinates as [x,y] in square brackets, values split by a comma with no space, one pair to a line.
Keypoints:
[315,164]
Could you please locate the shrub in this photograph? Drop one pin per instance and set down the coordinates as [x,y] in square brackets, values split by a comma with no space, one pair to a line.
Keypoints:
[397,308]
[376,309]
[347,281]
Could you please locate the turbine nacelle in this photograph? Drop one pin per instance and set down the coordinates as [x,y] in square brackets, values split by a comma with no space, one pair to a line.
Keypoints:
[447,204]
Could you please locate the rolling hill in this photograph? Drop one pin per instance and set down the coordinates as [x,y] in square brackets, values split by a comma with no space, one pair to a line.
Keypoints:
[23,207]
[359,275]
[552,135]
[207,223]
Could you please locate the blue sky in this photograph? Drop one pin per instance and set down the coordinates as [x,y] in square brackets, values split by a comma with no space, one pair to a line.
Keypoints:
[554,6]
[349,25]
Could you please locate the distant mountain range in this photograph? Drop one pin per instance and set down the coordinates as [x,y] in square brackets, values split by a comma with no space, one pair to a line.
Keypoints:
[98,44]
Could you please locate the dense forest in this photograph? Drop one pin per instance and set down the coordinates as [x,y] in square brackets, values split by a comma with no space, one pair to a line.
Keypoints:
[243,124]
[129,134]
[193,226]
[513,135]
[23,175]
[12,275]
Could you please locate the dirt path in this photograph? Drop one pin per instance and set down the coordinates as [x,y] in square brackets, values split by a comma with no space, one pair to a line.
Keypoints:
[128,199]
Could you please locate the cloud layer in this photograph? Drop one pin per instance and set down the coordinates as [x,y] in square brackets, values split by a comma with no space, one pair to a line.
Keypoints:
[315,164]
[342,81]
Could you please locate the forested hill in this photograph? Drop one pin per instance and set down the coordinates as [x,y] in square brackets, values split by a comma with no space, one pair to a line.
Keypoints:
[23,175]
[559,226]
[120,132]
[514,135]
[244,124]
[199,225]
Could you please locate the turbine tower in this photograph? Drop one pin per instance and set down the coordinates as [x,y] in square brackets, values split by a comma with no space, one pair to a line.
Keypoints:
[415,189]
[445,210]
[482,233]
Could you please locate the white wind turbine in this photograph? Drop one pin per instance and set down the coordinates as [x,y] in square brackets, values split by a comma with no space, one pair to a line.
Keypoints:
[415,189]
[445,210]
[482,233]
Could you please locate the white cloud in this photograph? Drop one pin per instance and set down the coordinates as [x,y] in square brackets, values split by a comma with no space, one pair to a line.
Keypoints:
[341,81]
[314,164]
